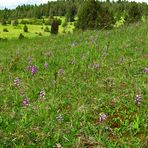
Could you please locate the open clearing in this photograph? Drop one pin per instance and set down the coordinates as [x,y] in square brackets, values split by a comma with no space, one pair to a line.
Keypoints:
[33,30]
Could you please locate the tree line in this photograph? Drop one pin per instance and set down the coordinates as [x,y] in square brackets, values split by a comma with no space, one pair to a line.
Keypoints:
[90,13]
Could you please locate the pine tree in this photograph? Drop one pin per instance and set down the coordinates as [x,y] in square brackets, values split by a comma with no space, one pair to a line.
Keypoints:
[25,28]
[88,14]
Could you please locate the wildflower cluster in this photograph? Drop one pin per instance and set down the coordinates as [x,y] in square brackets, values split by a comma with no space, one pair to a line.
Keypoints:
[46,65]
[42,94]
[17,82]
[145,70]
[103,117]
[96,65]
[73,62]
[33,69]
[26,102]
[138,99]
[61,71]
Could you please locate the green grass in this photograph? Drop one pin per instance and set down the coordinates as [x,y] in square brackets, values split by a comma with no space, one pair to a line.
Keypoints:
[69,116]
[33,30]
[14,32]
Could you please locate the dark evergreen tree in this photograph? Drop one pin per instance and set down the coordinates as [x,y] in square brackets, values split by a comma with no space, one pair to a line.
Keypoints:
[5,30]
[71,12]
[105,18]
[134,12]
[25,28]
[55,26]
[88,14]
[21,36]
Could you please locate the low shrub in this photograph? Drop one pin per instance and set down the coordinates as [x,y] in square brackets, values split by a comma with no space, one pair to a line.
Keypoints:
[21,36]
[5,30]
[3,39]
[46,29]
[40,34]
[49,22]
[18,27]
[15,22]
[24,22]
[25,28]
[36,21]
[64,24]
[64,31]
[3,22]
[9,21]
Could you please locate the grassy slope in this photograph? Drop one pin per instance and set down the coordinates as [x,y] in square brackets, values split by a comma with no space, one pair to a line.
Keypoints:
[70,114]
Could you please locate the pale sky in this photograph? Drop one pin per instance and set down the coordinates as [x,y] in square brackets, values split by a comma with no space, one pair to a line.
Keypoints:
[14,3]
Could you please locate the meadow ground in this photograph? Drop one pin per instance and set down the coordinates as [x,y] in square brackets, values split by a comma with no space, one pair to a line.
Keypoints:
[33,30]
[75,90]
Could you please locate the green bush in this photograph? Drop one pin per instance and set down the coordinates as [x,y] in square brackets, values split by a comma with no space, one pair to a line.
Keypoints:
[21,36]
[40,34]
[88,14]
[120,22]
[24,22]
[59,21]
[64,24]
[9,21]
[134,13]
[3,22]
[46,29]
[63,31]
[25,28]
[15,22]
[94,15]
[49,21]
[43,20]
[5,30]
[70,16]
[105,19]
[32,21]
[18,27]
[3,39]
[36,21]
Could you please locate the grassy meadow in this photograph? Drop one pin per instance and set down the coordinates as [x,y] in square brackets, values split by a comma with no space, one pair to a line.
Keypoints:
[75,90]
[14,31]
[33,30]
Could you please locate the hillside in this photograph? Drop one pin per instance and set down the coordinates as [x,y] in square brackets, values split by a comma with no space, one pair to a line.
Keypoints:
[87,89]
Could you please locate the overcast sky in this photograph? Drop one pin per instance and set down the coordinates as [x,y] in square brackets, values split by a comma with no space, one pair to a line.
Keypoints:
[14,3]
